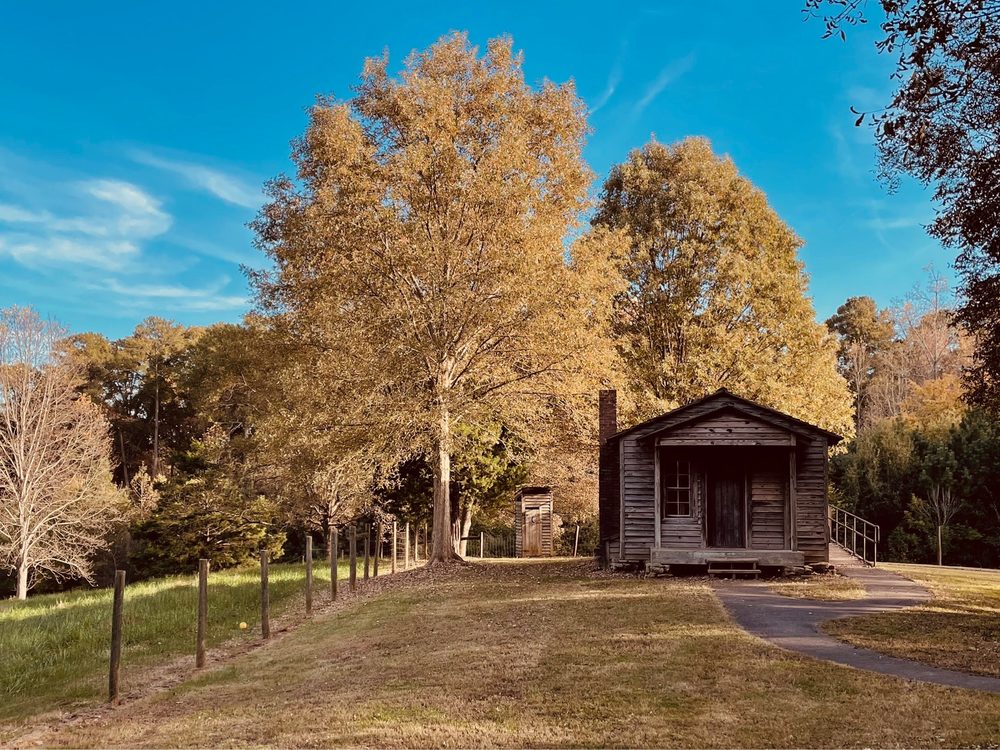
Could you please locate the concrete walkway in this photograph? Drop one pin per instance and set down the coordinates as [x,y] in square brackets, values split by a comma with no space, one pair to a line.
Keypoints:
[793,624]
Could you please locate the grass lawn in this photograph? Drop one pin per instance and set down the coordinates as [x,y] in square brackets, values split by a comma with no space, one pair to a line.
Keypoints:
[537,654]
[958,629]
[55,647]
[828,587]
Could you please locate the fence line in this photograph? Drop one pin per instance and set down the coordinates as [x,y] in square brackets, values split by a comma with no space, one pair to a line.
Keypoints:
[485,545]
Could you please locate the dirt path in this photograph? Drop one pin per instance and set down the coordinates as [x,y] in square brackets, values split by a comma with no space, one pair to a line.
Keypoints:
[794,624]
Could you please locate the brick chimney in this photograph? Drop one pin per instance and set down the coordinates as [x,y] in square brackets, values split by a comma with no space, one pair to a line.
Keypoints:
[609,480]
[608,413]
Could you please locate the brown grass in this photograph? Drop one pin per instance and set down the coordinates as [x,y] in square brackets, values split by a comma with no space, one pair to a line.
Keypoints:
[829,587]
[538,654]
[958,629]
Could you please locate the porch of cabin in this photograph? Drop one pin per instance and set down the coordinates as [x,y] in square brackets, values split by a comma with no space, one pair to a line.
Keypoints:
[728,506]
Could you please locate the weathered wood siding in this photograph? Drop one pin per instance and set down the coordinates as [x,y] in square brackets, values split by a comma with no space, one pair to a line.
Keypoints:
[638,499]
[768,497]
[524,501]
[638,532]
[811,501]
[729,427]
[682,533]
[769,485]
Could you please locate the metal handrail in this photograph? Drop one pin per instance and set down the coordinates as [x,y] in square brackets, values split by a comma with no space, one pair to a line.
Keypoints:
[855,535]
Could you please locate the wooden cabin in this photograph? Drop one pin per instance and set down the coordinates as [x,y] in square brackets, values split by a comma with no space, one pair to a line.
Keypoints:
[533,522]
[722,481]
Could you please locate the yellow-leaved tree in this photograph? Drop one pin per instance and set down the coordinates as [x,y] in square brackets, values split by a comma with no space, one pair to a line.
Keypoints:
[423,255]
[716,293]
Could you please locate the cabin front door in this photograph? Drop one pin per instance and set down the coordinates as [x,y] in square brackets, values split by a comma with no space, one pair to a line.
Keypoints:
[532,532]
[727,508]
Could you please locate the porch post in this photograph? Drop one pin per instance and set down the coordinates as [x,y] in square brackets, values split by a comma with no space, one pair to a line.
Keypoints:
[657,514]
[792,513]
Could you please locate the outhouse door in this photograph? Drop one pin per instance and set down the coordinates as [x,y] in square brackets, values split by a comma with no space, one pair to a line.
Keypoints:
[727,508]
[532,531]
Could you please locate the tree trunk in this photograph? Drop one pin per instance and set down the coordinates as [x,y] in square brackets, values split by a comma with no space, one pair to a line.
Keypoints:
[121,443]
[156,424]
[464,527]
[939,542]
[22,581]
[442,547]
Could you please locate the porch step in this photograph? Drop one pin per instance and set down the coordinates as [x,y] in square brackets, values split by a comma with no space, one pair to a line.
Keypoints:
[733,566]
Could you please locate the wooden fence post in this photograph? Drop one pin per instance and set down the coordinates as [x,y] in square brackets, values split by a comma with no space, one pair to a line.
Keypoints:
[368,543]
[265,599]
[309,573]
[395,542]
[199,654]
[378,548]
[576,542]
[117,609]
[406,547]
[482,545]
[334,568]
[352,541]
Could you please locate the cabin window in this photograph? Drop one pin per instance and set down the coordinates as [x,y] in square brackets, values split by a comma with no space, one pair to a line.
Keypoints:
[676,488]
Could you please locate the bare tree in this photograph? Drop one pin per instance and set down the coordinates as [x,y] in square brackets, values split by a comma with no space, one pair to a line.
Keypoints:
[890,385]
[939,472]
[57,500]
[940,507]
[929,348]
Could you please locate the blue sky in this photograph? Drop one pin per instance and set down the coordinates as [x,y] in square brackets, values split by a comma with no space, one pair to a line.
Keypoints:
[135,137]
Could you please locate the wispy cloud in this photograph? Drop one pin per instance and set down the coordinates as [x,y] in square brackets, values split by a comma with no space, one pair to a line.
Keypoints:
[672,72]
[16,215]
[614,79]
[224,186]
[111,219]
[97,239]
[867,98]
[898,222]
[177,297]
[37,251]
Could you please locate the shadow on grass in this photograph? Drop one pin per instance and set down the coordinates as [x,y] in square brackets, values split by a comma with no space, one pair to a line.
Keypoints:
[944,634]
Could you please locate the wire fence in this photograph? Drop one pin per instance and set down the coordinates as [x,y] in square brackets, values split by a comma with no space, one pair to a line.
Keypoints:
[490,545]
[365,548]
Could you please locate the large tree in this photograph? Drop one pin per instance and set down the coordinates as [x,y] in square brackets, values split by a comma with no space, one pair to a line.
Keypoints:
[716,293]
[57,500]
[136,379]
[422,253]
[942,127]
[866,335]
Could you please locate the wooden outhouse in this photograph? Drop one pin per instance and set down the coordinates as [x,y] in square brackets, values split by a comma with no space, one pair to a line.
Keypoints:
[533,522]
[719,480]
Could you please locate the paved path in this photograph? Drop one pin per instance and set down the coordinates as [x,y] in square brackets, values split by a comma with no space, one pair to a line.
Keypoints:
[793,624]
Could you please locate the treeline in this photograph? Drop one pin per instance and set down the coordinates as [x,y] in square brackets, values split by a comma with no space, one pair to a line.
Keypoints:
[445,299]
[443,305]
[925,465]
[226,440]
[220,465]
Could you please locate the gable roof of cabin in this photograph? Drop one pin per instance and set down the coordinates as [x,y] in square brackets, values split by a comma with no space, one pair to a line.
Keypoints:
[726,400]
